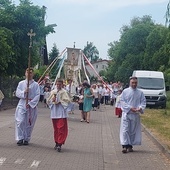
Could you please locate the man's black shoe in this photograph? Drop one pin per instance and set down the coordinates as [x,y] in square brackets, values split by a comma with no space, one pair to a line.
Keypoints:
[26,142]
[20,142]
[59,148]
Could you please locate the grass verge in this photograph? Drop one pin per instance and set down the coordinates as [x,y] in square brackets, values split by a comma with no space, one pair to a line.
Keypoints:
[158,122]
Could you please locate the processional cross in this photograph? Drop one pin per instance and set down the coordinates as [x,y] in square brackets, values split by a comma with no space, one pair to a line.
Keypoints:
[30,34]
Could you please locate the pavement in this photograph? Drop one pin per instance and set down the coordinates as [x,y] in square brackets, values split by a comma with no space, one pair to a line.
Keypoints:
[93,146]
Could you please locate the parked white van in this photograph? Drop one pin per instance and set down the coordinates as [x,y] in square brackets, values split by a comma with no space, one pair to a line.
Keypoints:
[152,84]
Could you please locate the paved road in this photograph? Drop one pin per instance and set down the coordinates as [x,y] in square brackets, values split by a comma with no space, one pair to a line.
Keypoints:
[93,146]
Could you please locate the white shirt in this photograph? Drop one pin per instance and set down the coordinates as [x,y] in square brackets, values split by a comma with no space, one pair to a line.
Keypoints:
[68,88]
[41,89]
[118,104]
[100,90]
[33,97]
[46,94]
[96,93]
[106,92]
[59,110]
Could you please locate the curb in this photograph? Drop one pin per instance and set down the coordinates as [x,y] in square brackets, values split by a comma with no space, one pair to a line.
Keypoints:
[163,148]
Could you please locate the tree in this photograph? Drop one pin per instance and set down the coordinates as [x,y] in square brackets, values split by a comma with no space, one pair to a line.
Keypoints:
[19,20]
[156,44]
[93,79]
[91,52]
[6,50]
[128,53]
[53,53]
[143,45]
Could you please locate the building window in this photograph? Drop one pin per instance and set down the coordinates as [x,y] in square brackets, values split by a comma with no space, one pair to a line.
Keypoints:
[96,66]
[103,66]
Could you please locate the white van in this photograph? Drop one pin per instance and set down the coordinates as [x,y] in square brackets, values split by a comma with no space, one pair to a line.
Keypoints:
[152,84]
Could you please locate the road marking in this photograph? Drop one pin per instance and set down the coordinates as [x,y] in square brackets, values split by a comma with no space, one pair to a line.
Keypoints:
[2,160]
[19,161]
[35,164]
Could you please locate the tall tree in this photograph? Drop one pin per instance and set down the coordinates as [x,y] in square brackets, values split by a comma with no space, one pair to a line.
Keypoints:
[53,53]
[91,52]
[128,53]
[143,45]
[6,49]
[155,51]
[19,20]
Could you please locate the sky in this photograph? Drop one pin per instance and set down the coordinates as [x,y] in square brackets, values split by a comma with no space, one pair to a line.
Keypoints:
[97,21]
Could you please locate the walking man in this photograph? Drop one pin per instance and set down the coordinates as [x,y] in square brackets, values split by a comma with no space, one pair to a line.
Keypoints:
[59,102]
[26,115]
[133,103]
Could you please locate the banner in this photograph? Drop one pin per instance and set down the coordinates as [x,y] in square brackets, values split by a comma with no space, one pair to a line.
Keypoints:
[73,56]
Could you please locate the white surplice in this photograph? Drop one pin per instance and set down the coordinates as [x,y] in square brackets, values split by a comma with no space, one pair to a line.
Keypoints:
[25,117]
[61,107]
[130,128]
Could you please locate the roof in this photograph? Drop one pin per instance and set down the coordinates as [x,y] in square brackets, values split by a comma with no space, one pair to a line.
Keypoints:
[99,61]
[146,73]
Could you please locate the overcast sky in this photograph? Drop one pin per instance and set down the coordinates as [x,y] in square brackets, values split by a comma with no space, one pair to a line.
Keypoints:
[97,21]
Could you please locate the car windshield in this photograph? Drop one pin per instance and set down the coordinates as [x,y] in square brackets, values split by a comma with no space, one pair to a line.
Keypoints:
[150,83]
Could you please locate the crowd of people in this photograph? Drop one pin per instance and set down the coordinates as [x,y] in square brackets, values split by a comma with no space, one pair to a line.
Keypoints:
[100,94]
[129,103]
[107,94]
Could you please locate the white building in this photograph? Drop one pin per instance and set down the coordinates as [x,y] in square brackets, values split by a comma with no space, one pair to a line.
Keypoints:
[98,66]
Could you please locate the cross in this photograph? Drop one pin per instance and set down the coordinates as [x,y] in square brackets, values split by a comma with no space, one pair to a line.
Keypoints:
[31,34]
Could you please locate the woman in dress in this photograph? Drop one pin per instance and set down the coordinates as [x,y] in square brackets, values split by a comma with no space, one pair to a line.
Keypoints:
[88,99]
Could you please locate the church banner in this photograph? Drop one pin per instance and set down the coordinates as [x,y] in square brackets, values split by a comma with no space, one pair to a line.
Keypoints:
[73,56]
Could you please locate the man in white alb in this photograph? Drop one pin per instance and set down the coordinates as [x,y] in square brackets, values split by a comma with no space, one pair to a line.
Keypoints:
[133,103]
[26,114]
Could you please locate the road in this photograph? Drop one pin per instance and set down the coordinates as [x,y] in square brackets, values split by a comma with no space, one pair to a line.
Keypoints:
[93,146]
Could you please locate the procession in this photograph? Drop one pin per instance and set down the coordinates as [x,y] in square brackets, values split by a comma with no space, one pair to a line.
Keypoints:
[60,102]
[66,94]
[60,98]
[84,85]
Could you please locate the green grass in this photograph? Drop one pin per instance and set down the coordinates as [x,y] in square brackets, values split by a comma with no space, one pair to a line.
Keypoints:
[158,122]
[168,100]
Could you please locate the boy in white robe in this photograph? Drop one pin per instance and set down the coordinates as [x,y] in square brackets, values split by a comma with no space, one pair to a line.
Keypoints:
[59,104]
[133,103]
[26,114]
